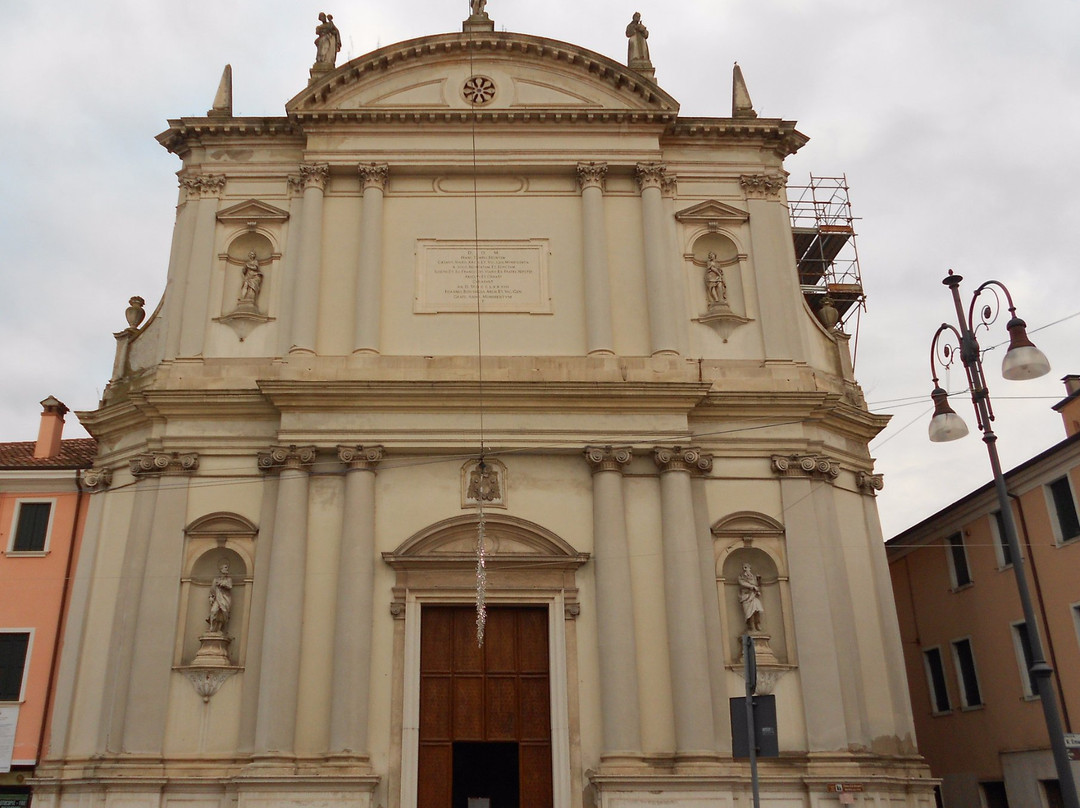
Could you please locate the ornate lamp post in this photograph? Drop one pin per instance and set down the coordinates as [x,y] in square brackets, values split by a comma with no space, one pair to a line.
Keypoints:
[1022,361]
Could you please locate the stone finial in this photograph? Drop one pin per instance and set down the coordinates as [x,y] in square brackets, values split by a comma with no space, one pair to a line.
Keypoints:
[135,312]
[223,100]
[741,105]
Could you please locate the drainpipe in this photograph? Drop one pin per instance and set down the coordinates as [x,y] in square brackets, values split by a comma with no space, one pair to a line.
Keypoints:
[1042,609]
[55,664]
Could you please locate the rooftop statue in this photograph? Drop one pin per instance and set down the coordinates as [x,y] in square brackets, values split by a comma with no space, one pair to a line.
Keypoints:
[476,8]
[637,49]
[327,40]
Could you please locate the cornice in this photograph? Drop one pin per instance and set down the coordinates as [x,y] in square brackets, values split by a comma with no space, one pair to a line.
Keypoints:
[501,396]
[185,133]
[778,135]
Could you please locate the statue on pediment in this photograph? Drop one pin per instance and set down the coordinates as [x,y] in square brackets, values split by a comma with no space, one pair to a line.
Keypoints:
[637,49]
[476,8]
[327,40]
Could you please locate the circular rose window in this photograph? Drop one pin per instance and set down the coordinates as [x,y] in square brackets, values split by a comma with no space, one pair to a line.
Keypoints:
[478,90]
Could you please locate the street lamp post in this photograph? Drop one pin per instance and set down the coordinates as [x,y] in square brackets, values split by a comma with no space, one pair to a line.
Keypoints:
[1022,361]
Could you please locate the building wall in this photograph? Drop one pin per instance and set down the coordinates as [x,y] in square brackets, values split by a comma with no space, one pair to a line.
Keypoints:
[966,746]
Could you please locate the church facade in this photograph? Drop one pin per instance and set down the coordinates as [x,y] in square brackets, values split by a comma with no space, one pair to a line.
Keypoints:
[481,417]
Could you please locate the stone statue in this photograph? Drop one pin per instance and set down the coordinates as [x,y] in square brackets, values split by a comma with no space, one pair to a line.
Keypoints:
[483,484]
[476,8]
[327,40]
[715,287]
[637,49]
[253,278]
[220,599]
[750,598]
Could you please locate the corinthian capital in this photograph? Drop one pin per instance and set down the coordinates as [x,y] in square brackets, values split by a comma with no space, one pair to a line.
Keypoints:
[681,458]
[203,185]
[608,458]
[360,457]
[373,175]
[291,458]
[95,479]
[805,466]
[314,175]
[763,186]
[171,463]
[591,175]
[650,175]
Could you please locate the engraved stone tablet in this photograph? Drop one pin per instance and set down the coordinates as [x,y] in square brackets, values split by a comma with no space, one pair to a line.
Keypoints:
[512,276]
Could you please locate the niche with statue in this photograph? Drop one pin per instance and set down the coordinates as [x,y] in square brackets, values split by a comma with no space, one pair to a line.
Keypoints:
[214,600]
[246,284]
[752,586]
[719,295]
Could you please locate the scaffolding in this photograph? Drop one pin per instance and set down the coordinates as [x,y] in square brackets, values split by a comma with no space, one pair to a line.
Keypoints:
[826,256]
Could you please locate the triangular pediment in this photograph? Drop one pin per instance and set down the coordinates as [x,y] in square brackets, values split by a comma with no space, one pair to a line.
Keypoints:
[712,211]
[503,72]
[252,211]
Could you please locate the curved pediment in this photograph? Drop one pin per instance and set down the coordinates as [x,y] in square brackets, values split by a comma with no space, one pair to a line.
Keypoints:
[509,541]
[509,73]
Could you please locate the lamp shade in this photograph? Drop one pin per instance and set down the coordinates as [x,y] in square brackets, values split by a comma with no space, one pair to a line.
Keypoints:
[946,425]
[1023,360]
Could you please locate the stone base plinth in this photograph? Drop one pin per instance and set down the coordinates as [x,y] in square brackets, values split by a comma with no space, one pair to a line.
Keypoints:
[213,651]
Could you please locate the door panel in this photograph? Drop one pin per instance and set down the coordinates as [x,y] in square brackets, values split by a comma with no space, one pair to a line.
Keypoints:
[493,695]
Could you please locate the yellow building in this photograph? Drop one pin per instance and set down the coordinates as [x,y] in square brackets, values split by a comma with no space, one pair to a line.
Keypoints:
[481,319]
[978,720]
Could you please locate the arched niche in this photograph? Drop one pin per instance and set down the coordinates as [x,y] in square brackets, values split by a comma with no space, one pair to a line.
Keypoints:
[758,540]
[717,282]
[210,541]
[246,287]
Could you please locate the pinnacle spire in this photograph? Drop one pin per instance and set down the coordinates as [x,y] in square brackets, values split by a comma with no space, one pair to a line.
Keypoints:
[741,105]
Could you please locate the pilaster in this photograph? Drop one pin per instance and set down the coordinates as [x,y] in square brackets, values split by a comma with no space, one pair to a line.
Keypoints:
[207,189]
[598,328]
[313,179]
[651,179]
[373,177]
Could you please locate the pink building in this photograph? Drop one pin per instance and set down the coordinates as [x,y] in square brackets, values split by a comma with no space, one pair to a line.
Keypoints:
[978,723]
[42,511]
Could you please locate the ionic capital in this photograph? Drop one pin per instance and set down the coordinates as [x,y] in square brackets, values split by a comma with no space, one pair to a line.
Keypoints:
[650,175]
[314,175]
[869,484]
[796,465]
[591,175]
[365,458]
[96,480]
[763,186]
[287,458]
[373,175]
[170,463]
[682,458]
[608,458]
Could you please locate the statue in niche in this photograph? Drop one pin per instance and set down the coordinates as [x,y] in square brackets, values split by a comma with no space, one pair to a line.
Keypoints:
[483,484]
[253,279]
[220,600]
[327,40]
[715,286]
[476,8]
[750,598]
[637,49]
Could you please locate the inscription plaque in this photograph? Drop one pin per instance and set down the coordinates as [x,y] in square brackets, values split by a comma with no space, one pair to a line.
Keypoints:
[512,276]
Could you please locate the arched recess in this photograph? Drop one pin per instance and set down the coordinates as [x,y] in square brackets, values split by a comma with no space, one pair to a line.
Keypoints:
[527,565]
[209,541]
[752,538]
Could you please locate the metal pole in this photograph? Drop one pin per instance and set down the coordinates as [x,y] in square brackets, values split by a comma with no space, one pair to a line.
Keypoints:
[750,674]
[1040,672]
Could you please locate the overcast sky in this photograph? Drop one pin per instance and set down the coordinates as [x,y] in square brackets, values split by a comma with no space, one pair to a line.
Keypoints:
[955,123]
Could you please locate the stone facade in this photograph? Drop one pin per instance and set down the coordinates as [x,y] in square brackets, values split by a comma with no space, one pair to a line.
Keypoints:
[457,290]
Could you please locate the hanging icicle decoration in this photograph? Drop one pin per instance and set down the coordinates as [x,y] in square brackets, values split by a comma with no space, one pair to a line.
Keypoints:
[481,578]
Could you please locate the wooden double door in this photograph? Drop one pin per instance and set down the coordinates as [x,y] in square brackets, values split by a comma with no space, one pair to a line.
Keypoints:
[485,712]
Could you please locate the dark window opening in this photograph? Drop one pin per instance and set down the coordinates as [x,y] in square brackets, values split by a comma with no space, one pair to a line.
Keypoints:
[485,771]
[33,526]
[1065,508]
[1003,543]
[965,660]
[994,794]
[939,693]
[959,560]
[13,647]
